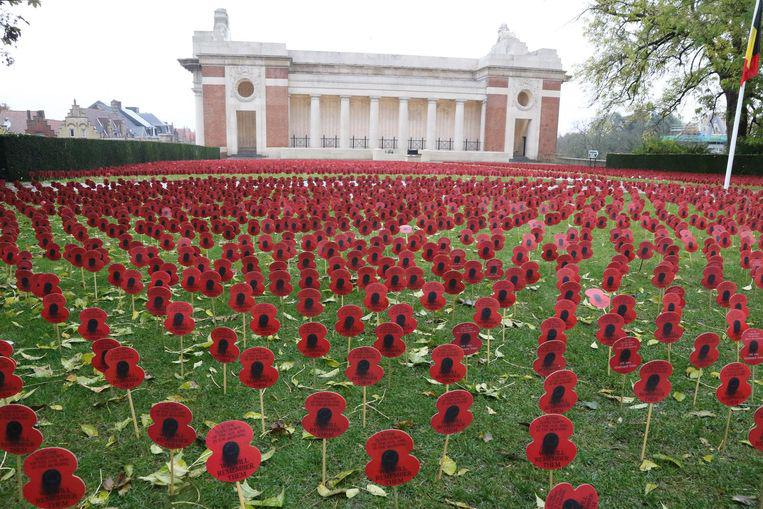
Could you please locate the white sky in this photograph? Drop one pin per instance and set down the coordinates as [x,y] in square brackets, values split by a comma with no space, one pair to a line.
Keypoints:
[128,49]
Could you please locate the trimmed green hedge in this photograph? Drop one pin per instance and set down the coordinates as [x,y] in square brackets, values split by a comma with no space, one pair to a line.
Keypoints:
[21,154]
[693,163]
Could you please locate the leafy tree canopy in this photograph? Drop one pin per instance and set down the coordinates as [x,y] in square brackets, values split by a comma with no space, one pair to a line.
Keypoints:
[685,48]
[10,26]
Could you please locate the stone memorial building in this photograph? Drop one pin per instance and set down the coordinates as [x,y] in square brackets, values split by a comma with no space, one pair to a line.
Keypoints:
[260,97]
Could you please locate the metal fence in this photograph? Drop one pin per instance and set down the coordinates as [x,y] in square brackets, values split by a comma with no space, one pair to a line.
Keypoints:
[416,144]
[358,142]
[299,141]
[472,145]
[444,144]
[330,141]
[388,143]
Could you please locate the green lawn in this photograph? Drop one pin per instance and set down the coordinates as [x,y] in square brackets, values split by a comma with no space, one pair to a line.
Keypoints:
[492,469]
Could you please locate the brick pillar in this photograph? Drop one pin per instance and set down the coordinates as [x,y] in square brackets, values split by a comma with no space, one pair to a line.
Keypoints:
[277,106]
[549,120]
[213,94]
[495,114]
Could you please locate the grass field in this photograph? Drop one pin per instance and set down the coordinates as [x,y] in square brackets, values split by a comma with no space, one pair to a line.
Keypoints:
[491,467]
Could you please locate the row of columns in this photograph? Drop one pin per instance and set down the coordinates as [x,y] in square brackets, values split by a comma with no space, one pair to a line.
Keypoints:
[373,128]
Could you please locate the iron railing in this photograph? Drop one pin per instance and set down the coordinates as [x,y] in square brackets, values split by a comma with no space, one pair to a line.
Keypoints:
[472,145]
[416,144]
[444,144]
[388,143]
[329,141]
[358,142]
[299,141]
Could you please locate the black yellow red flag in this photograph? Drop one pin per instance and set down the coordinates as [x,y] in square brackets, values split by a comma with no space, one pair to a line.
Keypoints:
[752,57]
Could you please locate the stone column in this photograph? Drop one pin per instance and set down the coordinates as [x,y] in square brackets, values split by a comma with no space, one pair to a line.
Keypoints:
[402,126]
[199,103]
[344,121]
[373,123]
[315,121]
[431,124]
[458,132]
[482,124]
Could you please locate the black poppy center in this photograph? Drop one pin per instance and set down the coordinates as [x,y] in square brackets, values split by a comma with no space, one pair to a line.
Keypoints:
[549,359]
[465,339]
[231,451]
[571,504]
[652,382]
[733,386]
[349,321]
[549,445]
[323,416]
[446,366]
[312,340]
[123,369]
[389,460]
[667,328]
[363,367]
[51,481]
[309,302]
[557,394]
[13,431]
[177,319]
[256,369]
[92,325]
[432,297]
[169,427]
[451,413]
[609,330]
[263,320]
[53,309]
[485,314]
[222,346]
[625,356]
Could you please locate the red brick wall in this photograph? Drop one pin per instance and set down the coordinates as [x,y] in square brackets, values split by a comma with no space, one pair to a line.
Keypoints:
[277,116]
[214,115]
[277,72]
[495,122]
[552,85]
[498,82]
[213,71]
[549,125]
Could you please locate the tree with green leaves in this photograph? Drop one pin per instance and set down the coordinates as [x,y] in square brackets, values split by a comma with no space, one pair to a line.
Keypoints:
[662,53]
[10,26]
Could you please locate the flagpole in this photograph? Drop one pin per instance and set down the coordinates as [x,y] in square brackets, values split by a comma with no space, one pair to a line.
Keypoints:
[737,118]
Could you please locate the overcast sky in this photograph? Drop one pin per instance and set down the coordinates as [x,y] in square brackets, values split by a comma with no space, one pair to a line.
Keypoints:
[128,49]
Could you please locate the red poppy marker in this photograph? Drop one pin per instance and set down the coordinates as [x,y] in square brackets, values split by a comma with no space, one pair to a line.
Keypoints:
[703,356]
[93,324]
[565,496]
[756,433]
[447,368]
[20,436]
[241,301]
[363,369]
[559,395]
[180,322]
[652,387]
[325,420]
[453,416]
[52,483]
[171,429]
[10,384]
[751,353]
[551,448]
[734,390]
[389,339]
[224,350]
[257,372]
[487,316]
[264,322]
[123,372]
[349,323]
[550,358]
[54,311]
[392,463]
[233,458]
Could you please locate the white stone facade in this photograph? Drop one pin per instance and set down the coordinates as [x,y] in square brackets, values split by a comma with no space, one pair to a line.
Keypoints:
[262,97]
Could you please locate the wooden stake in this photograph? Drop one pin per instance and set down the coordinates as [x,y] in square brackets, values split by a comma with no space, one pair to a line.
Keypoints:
[95,285]
[364,406]
[132,301]
[609,356]
[489,335]
[444,455]
[622,390]
[240,495]
[58,335]
[243,327]
[182,361]
[82,273]
[225,378]
[262,409]
[752,394]
[726,433]
[397,499]
[550,480]
[132,411]
[19,480]
[172,471]
[323,468]
[668,352]
[646,431]
[696,389]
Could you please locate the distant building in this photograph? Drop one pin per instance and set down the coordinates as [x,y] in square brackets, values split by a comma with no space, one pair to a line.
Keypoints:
[138,125]
[263,97]
[186,135]
[709,131]
[79,124]
[28,122]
